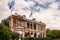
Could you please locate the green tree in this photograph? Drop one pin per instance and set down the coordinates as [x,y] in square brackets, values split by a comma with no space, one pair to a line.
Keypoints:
[56,33]
[5,26]
[5,33]
[15,36]
[5,22]
[29,38]
[50,34]
[53,33]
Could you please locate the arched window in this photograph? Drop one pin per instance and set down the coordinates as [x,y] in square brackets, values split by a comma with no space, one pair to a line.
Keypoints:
[41,35]
[28,25]
[27,34]
[34,26]
[31,33]
[31,26]
[35,35]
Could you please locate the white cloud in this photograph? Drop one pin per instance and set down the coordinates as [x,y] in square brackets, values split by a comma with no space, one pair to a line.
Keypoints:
[50,16]
[44,1]
[54,5]
[24,3]
[3,9]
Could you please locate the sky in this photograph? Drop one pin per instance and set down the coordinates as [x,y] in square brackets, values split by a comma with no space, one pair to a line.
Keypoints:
[47,11]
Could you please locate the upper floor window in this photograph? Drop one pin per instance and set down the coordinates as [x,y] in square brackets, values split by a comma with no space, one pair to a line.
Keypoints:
[41,27]
[31,26]
[19,23]
[34,26]
[28,25]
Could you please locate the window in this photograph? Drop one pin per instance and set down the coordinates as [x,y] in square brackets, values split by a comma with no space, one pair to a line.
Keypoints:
[34,26]
[31,33]
[35,35]
[19,23]
[41,35]
[41,27]
[31,26]
[27,25]
[28,33]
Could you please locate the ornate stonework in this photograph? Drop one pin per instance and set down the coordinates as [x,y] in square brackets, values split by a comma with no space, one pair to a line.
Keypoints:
[27,27]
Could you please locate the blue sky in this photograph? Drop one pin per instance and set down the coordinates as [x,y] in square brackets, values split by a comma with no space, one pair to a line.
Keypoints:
[47,11]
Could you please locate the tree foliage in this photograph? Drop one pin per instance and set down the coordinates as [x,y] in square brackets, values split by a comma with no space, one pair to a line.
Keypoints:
[15,36]
[29,38]
[5,33]
[5,22]
[53,33]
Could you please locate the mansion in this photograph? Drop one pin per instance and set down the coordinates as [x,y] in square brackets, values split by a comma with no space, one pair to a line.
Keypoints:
[27,27]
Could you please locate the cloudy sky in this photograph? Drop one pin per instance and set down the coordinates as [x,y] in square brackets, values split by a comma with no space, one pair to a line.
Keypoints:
[47,11]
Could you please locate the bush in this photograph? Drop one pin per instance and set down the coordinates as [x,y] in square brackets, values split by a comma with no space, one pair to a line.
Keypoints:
[5,33]
[15,36]
[30,38]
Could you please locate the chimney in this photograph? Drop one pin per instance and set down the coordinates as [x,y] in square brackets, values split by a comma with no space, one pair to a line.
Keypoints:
[15,13]
[33,19]
[24,16]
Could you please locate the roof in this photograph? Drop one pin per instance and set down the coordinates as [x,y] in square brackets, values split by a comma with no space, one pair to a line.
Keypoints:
[17,16]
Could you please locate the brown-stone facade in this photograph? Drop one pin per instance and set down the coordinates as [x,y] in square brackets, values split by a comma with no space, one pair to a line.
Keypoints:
[27,27]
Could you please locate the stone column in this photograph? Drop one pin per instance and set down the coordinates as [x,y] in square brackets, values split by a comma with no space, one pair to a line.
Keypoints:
[11,24]
[23,35]
[37,35]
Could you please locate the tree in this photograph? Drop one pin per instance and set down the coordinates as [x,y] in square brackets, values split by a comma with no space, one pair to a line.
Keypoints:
[5,33]
[15,36]
[53,33]
[50,34]
[56,33]
[5,22]
[29,38]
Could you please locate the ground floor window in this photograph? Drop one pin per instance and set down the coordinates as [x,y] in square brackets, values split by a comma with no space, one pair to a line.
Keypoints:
[20,37]
[35,35]
[27,34]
